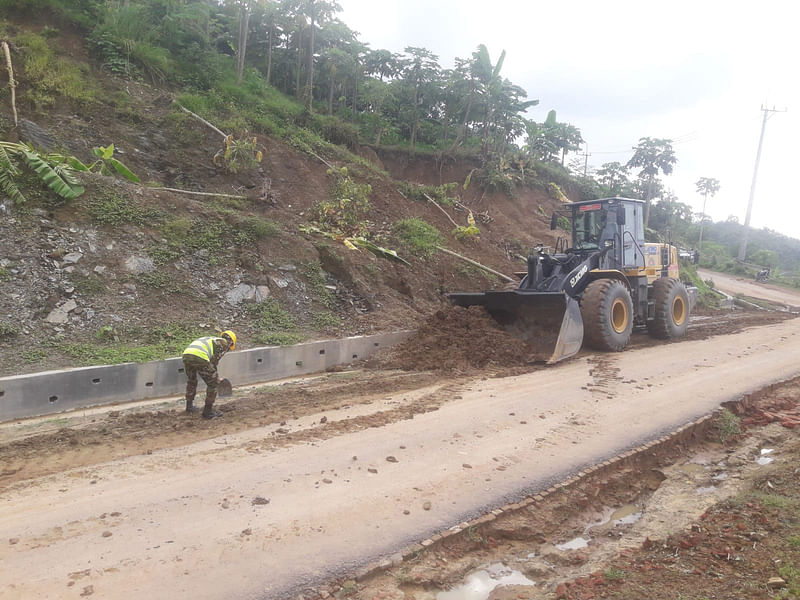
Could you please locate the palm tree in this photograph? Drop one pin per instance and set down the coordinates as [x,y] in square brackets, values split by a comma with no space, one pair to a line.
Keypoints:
[652,156]
[708,186]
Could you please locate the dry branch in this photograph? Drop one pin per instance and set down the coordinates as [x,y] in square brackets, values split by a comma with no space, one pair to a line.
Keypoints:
[177,191]
[477,264]
[11,82]
[432,201]
[201,119]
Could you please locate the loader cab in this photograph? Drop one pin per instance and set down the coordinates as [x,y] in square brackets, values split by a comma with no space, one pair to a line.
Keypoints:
[615,225]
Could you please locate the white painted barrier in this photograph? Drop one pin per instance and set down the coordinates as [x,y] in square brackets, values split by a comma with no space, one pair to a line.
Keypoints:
[52,392]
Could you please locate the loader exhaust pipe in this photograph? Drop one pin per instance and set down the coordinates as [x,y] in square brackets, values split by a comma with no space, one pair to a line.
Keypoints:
[549,322]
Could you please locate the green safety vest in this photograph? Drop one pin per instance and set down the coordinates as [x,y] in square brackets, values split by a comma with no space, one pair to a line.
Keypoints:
[203,347]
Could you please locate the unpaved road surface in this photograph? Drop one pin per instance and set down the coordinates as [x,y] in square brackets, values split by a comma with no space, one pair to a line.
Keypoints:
[730,284]
[239,516]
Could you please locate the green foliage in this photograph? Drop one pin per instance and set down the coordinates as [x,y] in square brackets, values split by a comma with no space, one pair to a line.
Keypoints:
[418,236]
[466,233]
[438,193]
[336,131]
[251,228]
[325,320]
[115,209]
[34,355]
[50,169]
[88,285]
[727,425]
[238,155]
[7,331]
[706,297]
[106,164]
[315,278]
[131,345]
[270,316]
[613,574]
[277,339]
[348,205]
[158,280]
[52,78]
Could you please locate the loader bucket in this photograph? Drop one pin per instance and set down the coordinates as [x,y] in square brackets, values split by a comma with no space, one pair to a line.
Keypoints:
[549,322]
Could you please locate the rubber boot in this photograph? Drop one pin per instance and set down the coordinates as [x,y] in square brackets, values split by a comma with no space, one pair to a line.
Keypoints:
[210,413]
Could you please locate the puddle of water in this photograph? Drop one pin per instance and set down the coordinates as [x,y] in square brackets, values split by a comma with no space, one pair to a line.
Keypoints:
[705,490]
[764,460]
[574,544]
[624,515]
[692,468]
[766,451]
[478,585]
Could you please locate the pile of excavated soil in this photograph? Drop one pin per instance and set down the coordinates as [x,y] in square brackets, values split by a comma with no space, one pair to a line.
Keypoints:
[456,339]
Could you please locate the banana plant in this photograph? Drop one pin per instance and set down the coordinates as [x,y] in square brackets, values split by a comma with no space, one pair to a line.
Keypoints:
[52,169]
[105,164]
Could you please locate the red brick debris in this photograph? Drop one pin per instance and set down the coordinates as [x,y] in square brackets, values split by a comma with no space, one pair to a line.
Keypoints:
[786,411]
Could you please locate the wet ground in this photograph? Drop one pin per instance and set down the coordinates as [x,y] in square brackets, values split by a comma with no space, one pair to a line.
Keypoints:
[703,520]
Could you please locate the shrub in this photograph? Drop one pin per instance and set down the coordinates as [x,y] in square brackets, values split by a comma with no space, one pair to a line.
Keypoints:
[418,236]
[347,207]
[437,193]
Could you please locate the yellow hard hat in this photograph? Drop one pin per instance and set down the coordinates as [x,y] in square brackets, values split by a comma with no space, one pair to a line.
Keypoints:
[232,336]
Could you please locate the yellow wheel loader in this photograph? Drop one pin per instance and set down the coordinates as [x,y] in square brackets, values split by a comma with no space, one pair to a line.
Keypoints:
[595,288]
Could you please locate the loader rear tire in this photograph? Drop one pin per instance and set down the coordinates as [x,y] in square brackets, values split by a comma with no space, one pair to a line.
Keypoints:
[607,312]
[671,309]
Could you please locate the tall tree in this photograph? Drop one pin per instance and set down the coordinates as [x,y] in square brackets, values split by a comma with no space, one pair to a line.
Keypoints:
[420,71]
[318,12]
[613,176]
[245,8]
[707,186]
[652,156]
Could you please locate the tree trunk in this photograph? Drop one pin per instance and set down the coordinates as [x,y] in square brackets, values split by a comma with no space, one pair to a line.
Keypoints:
[269,52]
[702,222]
[298,63]
[355,90]
[330,96]
[378,137]
[463,130]
[648,196]
[244,27]
[309,91]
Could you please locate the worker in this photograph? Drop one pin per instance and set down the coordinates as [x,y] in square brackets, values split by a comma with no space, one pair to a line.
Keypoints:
[202,357]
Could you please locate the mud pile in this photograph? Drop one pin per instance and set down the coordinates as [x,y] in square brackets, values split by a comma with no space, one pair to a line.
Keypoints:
[456,339]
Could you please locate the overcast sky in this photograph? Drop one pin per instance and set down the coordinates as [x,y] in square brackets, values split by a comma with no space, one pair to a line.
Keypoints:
[696,72]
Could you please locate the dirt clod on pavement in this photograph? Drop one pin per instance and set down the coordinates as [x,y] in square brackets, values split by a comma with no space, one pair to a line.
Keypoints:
[456,339]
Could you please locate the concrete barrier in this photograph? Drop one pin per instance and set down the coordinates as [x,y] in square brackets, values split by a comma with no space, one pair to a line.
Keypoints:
[52,392]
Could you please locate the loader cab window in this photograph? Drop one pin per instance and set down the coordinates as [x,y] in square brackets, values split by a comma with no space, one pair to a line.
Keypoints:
[587,226]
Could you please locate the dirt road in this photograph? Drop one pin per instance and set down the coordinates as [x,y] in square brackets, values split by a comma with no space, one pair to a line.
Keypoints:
[733,285]
[238,517]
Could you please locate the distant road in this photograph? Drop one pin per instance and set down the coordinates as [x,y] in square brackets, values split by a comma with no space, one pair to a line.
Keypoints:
[730,284]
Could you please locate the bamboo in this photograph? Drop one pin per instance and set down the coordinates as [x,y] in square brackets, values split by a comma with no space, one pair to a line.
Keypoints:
[11,82]
[477,264]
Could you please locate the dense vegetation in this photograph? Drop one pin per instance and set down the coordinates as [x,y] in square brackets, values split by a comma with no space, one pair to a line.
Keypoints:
[293,69]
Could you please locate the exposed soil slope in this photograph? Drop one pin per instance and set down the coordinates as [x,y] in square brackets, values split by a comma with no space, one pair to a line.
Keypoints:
[133,265]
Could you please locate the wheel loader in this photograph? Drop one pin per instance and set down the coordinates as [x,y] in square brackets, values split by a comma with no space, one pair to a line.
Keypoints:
[593,288]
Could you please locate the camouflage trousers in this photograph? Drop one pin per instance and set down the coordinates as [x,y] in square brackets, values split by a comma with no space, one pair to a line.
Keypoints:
[194,366]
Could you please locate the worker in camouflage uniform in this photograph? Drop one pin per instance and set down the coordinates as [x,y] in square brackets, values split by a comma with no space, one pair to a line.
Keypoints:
[201,357]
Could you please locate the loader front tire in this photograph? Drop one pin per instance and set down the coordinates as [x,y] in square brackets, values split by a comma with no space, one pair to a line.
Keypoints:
[671,309]
[607,313]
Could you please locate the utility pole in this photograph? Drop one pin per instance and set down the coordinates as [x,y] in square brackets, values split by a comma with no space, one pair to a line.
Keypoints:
[585,156]
[743,245]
